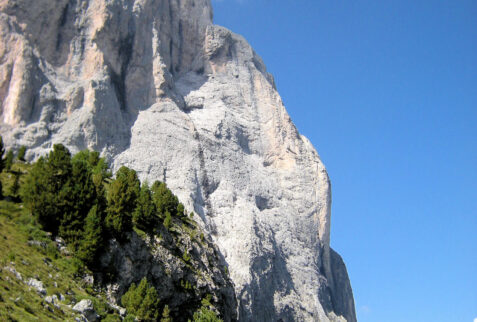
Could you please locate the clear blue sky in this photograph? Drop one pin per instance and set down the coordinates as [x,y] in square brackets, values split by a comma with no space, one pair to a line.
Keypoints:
[387,93]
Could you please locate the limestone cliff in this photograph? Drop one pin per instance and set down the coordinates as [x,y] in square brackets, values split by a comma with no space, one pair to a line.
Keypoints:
[154,85]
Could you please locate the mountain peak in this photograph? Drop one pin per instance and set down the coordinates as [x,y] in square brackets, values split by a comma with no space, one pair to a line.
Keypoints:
[154,85]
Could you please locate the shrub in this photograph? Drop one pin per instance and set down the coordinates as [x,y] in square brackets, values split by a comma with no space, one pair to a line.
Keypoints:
[142,301]
[204,314]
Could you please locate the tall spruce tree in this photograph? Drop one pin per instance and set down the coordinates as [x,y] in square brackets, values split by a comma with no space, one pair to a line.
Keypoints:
[46,191]
[122,195]
[145,215]
[21,153]
[2,151]
[81,197]
[164,199]
[90,245]
[9,160]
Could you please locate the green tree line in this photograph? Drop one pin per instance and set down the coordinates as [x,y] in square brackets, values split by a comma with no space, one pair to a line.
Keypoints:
[77,198]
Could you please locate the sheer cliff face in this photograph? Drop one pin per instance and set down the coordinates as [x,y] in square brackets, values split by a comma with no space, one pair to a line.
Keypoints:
[155,86]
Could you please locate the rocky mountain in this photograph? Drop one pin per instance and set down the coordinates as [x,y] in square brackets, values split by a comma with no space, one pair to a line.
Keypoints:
[155,86]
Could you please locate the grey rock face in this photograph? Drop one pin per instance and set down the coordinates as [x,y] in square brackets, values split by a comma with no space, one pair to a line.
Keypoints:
[37,285]
[86,309]
[155,86]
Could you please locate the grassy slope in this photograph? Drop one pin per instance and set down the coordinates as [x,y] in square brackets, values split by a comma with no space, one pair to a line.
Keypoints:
[20,302]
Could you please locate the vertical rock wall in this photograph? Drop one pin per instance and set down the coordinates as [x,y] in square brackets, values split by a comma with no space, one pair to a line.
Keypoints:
[154,85]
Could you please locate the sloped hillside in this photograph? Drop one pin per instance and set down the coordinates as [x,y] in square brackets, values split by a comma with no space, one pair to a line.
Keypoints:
[82,268]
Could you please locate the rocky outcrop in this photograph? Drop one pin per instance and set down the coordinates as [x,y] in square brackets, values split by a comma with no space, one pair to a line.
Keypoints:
[182,265]
[154,85]
[85,308]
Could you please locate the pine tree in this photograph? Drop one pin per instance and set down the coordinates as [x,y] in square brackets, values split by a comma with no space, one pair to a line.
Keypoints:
[79,199]
[90,244]
[39,195]
[21,153]
[166,314]
[142,301]
[2,151]
[46,191]
[122,196]
[164,199]
[9,160]
[145,216]
[15,187]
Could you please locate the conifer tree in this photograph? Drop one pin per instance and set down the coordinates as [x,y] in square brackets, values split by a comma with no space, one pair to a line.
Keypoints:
[2,151]
[142,301]
[145,216]
[92,240]
[15,187]
[46,192]
[21,153]
[9,160]
[79,200]
[122,196]
[164,199]
[166,314]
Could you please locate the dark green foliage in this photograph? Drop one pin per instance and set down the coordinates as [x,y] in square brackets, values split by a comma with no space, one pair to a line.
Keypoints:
[81,195]
[21,153]
[142,301]
[122,196]
[2,162]
[61,193]
[99,168]
[15,187]
[112,318]
[164,199]
[60,161]
[40,195]
[92,239]
[9,160]
[145,216]
[2,151]
[129,318]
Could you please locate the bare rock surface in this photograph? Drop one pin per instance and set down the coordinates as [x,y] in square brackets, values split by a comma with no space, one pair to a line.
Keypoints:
[86,309]
[155,86]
